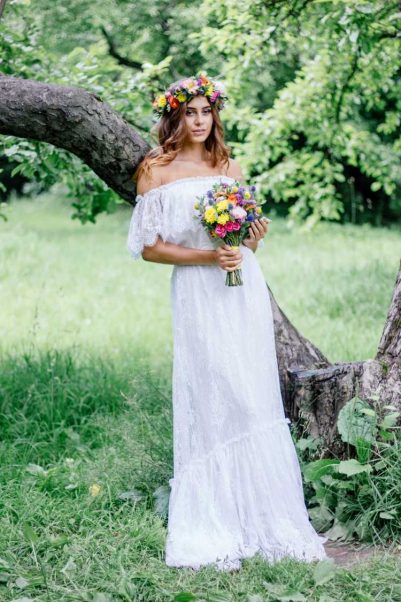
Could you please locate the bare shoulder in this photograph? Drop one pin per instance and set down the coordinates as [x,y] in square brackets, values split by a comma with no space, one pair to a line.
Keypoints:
[148,182]
[234,170]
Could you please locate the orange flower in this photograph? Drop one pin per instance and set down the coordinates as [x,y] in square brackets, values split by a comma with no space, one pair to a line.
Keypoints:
[174,103]
[232,197]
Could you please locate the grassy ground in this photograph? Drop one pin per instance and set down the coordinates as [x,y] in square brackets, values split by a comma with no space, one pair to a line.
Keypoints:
[85,415]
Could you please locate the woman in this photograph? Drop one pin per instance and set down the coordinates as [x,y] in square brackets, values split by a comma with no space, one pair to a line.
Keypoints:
[237,485]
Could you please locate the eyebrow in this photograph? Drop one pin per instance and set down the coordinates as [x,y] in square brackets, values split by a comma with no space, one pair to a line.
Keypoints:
[193,108]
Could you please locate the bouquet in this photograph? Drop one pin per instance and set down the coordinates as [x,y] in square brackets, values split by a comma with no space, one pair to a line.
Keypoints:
[226,212]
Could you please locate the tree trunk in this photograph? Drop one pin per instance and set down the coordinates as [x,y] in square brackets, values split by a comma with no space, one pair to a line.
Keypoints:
[313,388]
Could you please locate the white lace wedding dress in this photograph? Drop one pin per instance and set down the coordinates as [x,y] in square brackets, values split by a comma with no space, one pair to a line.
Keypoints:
[237,486]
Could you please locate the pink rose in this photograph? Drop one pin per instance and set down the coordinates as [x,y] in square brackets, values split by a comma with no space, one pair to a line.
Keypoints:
[236,226]
[220,230]
[229,226]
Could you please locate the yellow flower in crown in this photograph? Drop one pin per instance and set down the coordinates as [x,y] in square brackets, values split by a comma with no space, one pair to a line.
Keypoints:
[210,215]
[223,218]
[161,101]
[222,206]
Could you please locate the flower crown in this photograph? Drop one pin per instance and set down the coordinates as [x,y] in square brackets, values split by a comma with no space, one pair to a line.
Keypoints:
[186,89]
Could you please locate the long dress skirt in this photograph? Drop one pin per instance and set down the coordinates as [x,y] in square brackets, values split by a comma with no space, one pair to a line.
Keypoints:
[237,486]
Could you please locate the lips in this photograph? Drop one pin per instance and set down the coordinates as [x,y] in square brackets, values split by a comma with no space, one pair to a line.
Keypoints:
[199,131]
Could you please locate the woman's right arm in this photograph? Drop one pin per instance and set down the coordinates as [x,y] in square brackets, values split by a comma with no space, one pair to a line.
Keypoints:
[170,253]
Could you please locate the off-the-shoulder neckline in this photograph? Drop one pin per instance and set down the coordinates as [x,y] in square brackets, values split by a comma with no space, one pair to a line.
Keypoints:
[187,179]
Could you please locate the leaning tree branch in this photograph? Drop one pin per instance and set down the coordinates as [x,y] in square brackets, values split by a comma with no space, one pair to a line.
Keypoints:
[77,121]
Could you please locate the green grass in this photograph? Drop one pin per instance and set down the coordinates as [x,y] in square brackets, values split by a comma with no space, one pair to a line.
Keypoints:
[85,392]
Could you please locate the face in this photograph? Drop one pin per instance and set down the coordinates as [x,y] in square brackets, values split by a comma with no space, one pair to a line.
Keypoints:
[198,116]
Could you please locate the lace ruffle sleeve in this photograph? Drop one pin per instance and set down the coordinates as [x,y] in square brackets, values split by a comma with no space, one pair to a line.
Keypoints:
[146,222]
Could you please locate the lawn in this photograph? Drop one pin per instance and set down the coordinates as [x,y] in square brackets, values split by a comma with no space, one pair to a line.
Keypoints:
[85,405]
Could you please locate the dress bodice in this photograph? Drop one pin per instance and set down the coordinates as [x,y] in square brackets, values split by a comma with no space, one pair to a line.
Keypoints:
[168,211]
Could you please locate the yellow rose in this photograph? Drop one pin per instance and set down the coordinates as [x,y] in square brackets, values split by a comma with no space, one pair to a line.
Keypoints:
[223,219]
[210,215]
[222,206]
[162,101]
[181,97]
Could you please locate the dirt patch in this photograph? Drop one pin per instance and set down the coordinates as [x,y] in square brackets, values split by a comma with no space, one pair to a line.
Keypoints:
[347,554]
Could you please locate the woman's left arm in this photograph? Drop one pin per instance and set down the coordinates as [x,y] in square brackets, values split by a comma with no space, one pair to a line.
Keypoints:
[256,232]
[258,228]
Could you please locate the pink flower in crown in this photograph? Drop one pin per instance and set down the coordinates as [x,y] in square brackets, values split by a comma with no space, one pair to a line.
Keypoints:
[220,230]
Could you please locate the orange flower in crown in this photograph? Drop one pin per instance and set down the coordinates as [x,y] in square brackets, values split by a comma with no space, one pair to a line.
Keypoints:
[186,89]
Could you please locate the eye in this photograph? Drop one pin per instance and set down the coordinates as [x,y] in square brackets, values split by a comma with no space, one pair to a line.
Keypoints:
[189,112]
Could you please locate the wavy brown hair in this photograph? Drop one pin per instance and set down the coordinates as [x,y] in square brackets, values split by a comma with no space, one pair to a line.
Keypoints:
[171,131]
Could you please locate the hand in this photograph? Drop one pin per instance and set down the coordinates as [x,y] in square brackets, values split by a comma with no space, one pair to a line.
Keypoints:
[227,258]
[257,230]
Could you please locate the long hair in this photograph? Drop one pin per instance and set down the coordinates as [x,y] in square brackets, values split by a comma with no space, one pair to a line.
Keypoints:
[171,131]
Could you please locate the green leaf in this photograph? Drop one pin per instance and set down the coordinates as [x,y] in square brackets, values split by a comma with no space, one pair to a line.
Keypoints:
[185,597]
[29,533]
[389,420]
[283,593]
[162,496]
[313,471]
[132,496]
[101,597]
[352,423]
[338,531]
[387,515]
[324,571]
[351,467]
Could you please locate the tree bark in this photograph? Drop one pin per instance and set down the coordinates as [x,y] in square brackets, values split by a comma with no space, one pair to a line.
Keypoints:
[77,121]
[313,389]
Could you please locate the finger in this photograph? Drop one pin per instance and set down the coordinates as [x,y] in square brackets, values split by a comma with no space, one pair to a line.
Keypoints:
[259,226]
[233,260]
[251,233]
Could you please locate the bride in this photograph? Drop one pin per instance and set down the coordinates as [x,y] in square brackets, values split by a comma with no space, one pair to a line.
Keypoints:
[237,486]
